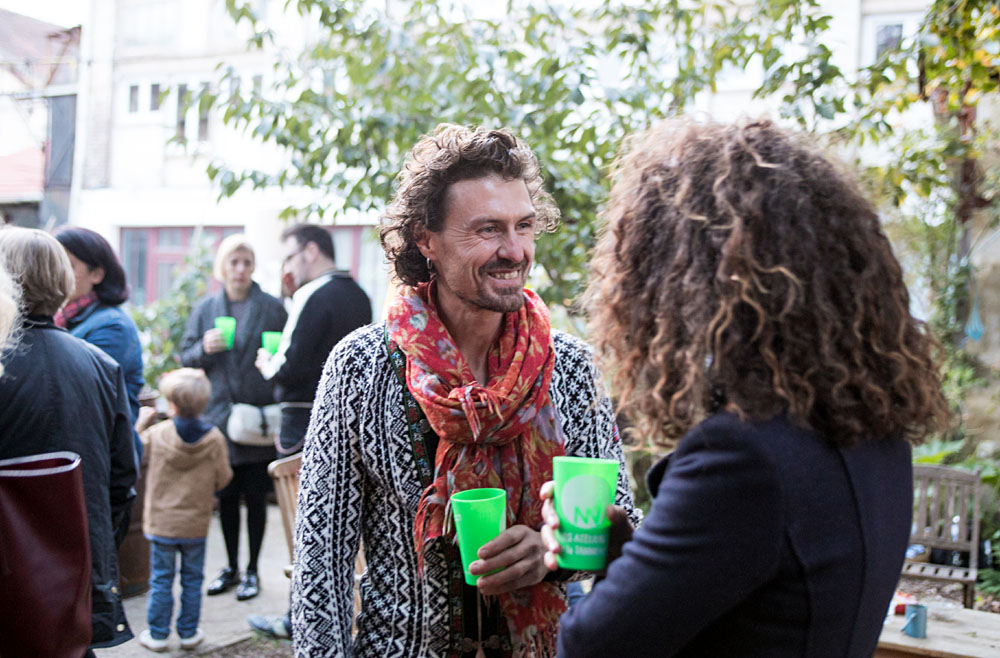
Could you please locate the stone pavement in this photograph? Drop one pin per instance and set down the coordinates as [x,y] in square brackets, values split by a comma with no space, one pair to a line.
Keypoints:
[223,618]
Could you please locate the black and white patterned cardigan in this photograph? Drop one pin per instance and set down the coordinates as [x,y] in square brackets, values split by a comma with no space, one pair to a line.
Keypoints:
[361,479]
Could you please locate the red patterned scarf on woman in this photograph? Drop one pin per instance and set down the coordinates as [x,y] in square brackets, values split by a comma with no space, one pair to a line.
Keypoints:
[73,309]
[503,434]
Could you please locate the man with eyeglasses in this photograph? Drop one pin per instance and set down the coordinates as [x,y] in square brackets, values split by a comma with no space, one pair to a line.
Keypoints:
[327,304]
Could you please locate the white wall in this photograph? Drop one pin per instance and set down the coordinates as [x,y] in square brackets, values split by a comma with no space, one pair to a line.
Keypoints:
[129,175]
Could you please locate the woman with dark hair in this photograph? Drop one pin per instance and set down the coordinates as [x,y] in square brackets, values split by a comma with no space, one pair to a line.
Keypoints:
[94,312]
[760,328]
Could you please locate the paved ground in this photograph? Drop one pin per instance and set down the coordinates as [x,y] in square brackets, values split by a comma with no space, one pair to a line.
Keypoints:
[223,618]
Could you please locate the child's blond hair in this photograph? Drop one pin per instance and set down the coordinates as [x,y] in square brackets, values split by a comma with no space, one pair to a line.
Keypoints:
[188,389]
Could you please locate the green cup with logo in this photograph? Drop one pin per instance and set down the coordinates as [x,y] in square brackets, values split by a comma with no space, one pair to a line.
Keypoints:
[270,340]
[227,326]
[584,488]
[480,515]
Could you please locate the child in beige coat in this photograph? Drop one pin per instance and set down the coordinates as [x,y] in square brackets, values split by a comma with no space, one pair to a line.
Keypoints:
[187,462]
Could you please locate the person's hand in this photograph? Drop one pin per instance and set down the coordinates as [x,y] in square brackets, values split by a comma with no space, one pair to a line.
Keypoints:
[288,286]
[618,535]
[263,358]
[212,342]
[550,522]
[147,416]
[518,551]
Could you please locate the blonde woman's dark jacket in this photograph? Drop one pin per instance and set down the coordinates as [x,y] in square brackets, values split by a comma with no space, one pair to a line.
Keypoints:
[58,392]
[232,373]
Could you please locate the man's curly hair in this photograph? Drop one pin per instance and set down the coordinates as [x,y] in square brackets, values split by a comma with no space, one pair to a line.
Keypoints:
[451,154]
[740,269]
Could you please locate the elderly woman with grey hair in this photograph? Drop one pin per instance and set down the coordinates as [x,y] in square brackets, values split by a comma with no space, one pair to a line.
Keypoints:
[60,393]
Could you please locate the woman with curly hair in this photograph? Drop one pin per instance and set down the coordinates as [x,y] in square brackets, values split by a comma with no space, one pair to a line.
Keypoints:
[759,326]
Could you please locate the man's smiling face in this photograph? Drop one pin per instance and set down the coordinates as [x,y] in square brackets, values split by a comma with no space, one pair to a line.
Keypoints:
[486,244]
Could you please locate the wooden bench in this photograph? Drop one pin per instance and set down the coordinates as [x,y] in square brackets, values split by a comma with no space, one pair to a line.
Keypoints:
[951,633]
[946,516]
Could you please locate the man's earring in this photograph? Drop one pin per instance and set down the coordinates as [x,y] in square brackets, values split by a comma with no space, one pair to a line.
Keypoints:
[430,267]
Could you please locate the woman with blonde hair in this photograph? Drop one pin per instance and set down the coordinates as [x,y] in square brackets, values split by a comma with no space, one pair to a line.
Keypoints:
[758,326]
[59,393]
[235,379]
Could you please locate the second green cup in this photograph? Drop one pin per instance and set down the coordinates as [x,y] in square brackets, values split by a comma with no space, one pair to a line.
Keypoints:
[270,340]
[227,325]
[584,488]
[480,515]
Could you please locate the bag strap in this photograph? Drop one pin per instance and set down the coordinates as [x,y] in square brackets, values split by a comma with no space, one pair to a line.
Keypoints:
[263,421]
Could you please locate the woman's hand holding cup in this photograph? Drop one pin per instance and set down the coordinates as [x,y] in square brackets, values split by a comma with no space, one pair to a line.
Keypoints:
[212,342]
[619,534]
[550,522]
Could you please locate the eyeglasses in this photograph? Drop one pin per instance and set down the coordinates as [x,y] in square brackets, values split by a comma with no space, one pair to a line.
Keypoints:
[293,255]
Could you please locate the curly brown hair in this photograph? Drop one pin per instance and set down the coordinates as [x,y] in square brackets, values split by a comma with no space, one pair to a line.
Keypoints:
[741,269]
[453,153]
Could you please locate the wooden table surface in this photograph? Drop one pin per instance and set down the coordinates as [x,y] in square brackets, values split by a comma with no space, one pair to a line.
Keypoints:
[951,633]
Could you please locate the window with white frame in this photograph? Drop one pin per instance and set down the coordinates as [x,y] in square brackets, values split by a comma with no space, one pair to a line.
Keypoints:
[883,32]
[203,107]
[182,103]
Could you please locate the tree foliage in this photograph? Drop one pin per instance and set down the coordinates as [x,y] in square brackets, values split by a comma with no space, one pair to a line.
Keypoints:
[161,323]
[573,81]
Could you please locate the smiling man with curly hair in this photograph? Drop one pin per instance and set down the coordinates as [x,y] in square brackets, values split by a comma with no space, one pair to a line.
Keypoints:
[464,386]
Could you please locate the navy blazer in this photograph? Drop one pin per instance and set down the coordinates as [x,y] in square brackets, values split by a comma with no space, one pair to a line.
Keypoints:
[334,310]
[763,540]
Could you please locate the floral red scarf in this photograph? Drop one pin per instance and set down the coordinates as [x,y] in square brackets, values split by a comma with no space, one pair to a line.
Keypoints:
[73,309]
[503,435]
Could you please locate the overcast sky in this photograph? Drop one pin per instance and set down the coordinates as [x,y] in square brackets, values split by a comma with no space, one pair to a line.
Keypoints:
[65,13]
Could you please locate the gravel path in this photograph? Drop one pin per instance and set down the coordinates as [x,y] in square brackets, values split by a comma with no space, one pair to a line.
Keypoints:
[255,648]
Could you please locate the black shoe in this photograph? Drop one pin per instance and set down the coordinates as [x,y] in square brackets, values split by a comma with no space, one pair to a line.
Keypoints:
[248,588]
[225,581]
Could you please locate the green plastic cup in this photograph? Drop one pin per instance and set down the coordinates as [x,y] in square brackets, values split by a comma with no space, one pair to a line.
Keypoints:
[270,340]
[227,325]
[584,488]
[480,515]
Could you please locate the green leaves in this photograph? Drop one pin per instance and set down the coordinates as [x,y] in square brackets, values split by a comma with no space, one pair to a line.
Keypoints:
[573,82]
[161,323]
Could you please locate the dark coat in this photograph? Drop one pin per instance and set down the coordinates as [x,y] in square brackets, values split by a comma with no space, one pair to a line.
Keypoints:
[58,392]
[232,373]
[112,330]
[334,310]
[763,540]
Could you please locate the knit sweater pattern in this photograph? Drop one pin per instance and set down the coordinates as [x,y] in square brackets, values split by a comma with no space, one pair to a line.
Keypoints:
[360,483]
